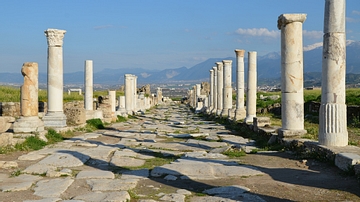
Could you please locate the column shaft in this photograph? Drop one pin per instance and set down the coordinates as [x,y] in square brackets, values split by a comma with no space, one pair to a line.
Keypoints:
[220,85]
[88,101]
[128,93]
[292,95]
[332,116]
[251,88]
[211,102]
[215,91]
[240,112]
[227,89]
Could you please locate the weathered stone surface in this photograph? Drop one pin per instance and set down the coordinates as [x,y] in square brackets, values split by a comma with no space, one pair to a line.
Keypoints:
[45,200]
[5,123]
[118,196]
[112,185]
[345,161]
[135,174]
[99,153]
[205,144]
[173,197]
[126,161]
[52,187]
[6,139]
[8,164]
[170,178]
[95,174]
[19,183]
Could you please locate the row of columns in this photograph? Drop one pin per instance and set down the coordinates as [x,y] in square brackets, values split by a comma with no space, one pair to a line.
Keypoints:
[332,116]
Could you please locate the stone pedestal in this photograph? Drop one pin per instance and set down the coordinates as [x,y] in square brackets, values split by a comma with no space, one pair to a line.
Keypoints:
[332,116]
[88,101]
[292,95]
[29,106]
[220,85]
[55,117]
[214,109]
[251,88]
[227,89]
[240,112]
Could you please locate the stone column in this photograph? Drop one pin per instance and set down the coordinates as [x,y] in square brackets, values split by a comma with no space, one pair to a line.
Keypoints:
[29,120]
[112,96]
[55,117]
[227,89]
[292,95]
[214,109]
[88,101]
[240,112]
[197,97]
[332,116]
[211,103]
[251,88]
[220,85]
[129,96]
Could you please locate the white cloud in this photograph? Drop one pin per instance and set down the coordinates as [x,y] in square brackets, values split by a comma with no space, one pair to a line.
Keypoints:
[355,12]
[103,27]
[348,19]
[313,34]
[258,32]
[313,46]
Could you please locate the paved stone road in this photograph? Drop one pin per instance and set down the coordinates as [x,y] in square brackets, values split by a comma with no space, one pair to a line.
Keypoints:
[107,165]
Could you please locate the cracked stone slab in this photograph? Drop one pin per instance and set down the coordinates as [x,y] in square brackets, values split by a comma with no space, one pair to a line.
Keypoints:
[119,196]
[204,154]
[173,197]
[189,135]
[100,153]
[52,187]
[95,174]
[206,144]
[235,192]
[45,200]
[112,185]
[204,169]
[19,183]
[135,174]
[31,157]
[131,153]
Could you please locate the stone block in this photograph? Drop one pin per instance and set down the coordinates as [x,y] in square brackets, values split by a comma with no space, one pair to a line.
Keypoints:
[6,139]
[75,115]
[5,123]
[291,133]
[28,125]
[345,161]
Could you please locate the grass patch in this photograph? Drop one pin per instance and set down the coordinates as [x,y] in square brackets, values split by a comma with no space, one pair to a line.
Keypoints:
[95,124]
[53,136]
[31,143]
[234,153]
[121,119]
[15,173]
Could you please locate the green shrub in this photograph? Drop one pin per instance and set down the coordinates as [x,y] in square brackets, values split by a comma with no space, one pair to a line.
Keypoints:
[120,119]
[95,123]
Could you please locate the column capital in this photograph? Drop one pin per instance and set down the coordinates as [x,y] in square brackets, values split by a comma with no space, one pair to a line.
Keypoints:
[211,70]
[239,52]
[55,37]
[227,62]
[285,19]
[219,65]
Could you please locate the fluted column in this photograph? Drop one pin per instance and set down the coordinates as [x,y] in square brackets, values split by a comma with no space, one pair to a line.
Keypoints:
[55,116]
[135,98]
[88,101]
[251,87]
[332,116]
[292,94]
[240,112]
[214,109]
[220,85]
[227,89]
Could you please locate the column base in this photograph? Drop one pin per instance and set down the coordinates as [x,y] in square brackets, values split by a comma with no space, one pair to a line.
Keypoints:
[224,113]
[286,133]
[29,124]
[218,112]
[249,119]
[54,120]
[231,114]
[240,114]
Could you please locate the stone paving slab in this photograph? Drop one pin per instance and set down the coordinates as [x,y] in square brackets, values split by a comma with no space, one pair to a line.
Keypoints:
[52,187]
[135,174]
[19,183]
[206,144]
[112,185]
[118,196]
[95,174]
[45,200]
[123,161]
[99,153]
[8,164]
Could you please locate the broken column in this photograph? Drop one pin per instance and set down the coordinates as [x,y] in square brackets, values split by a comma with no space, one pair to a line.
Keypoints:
[29,121]
[112,97]
[240,112]
[332,116]
[251,88]
[214,109]
[199,104]
[55,117]
[227,89]
[220,84]
[292,95]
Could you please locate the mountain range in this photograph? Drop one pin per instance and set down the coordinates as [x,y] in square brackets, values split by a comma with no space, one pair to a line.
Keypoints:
[268,67]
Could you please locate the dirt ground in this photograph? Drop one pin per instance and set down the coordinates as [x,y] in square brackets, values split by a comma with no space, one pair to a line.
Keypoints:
[286,178]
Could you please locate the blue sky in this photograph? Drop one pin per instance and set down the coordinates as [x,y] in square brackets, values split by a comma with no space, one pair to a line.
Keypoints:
[153,34]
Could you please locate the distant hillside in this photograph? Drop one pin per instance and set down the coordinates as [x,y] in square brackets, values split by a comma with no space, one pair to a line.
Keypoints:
[268,67]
